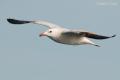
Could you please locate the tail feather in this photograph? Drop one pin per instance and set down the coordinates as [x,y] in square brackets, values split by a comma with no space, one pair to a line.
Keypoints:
[14,21]
[97,45]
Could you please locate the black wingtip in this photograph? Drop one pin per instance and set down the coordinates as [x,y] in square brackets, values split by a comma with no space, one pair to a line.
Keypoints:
[113,36]
[9,20]
[14,21]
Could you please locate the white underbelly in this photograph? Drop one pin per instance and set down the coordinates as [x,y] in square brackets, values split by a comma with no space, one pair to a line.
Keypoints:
[69,40]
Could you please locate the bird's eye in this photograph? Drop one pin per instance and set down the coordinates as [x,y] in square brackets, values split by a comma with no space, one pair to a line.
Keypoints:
[50,31]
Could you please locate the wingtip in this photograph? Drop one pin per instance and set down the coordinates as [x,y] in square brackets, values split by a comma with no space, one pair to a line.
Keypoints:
[114,35]
[15,21]
[10,20]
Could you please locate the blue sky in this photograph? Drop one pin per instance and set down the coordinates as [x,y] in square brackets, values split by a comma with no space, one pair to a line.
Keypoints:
[26,56]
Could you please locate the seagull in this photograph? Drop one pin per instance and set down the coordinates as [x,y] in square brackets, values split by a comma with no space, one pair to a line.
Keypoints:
[64,35]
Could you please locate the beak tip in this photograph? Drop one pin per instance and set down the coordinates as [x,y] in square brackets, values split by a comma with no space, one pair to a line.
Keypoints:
[42,34]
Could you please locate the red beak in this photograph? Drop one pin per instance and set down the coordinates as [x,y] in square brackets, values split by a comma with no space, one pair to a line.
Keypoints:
[42,34]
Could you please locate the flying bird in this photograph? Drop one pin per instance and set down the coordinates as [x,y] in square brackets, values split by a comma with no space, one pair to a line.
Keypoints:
[64,35]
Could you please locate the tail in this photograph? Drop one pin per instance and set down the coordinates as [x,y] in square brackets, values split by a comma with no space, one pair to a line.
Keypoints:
[88,41]
[14,21]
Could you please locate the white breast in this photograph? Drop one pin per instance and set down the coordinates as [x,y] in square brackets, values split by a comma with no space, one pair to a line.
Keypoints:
[69,40]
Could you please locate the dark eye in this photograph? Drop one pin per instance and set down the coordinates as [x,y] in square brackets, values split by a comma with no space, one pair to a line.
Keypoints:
[50,31]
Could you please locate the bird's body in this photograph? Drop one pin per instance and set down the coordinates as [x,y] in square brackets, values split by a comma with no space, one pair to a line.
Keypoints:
[70,40]
[63,35]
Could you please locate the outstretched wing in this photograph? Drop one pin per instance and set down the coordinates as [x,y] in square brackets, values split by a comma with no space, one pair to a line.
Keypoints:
[85,34]
[41,22]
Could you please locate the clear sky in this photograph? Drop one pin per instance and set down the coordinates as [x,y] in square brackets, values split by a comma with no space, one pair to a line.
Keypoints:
[26,56]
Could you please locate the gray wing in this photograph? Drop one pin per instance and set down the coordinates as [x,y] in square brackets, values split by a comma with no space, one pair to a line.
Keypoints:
[41,22]
[85,34]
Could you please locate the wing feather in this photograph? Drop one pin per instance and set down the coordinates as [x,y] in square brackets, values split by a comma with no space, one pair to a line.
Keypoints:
[86,34]
[40,22]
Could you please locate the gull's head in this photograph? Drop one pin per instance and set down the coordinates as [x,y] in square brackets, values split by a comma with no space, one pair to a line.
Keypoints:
[55,32]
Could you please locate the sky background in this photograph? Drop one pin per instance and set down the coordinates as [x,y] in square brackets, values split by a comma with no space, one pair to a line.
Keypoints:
[26,56]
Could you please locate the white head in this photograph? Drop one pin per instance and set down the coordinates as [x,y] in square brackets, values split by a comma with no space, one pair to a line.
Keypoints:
[52,33]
